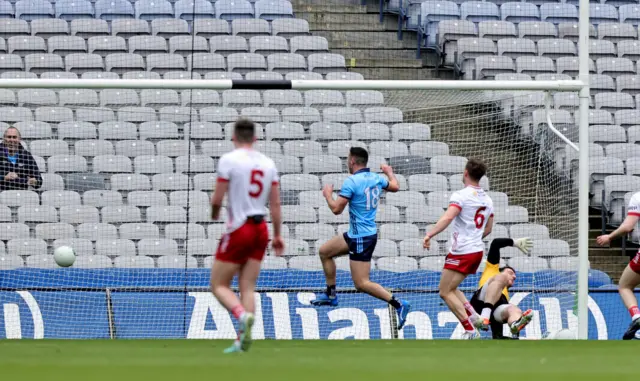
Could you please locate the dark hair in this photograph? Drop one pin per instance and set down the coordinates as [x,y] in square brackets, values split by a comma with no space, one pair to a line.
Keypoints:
[507,267]
[360,155]
[244,130]
[476,169]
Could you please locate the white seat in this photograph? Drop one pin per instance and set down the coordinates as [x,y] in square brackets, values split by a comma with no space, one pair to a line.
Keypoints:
[528,264]
[177,262]
[126,262]
[305,263]
[399,232]
[413,248]
[93,262]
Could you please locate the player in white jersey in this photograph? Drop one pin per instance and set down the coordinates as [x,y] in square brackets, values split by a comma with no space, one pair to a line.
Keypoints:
[251,180]
[630,277]
[471,211]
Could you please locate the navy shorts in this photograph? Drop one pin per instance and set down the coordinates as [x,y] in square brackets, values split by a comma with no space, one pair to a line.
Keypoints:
[361,249]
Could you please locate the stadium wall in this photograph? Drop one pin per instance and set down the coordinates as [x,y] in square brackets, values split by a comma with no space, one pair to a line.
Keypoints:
[90,310]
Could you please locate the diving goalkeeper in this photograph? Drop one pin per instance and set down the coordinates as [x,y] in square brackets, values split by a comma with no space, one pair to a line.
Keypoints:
[492,296]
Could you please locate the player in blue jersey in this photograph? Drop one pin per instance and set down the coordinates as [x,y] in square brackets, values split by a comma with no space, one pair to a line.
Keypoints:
[361,191]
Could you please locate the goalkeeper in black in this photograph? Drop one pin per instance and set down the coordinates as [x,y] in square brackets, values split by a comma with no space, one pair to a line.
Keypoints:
[492,297]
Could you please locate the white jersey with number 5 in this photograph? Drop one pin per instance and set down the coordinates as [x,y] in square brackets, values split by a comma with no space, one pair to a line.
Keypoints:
[250,175]
[468,227]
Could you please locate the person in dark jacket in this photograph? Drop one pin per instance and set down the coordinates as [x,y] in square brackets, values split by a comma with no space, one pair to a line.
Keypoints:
[18,168]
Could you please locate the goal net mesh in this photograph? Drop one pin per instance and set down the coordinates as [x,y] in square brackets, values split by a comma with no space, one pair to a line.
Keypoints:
[127,177]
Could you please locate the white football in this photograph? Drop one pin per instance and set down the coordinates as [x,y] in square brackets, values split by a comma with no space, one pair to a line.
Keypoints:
[563,334]
[64,256]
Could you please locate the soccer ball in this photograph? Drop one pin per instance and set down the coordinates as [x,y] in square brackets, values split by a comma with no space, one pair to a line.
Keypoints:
[64,256]
[563,334]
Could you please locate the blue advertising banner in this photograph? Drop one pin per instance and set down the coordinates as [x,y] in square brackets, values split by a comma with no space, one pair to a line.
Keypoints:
[280,315]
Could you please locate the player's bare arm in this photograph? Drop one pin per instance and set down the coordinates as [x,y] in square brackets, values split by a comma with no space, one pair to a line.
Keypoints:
[335,205]
[488,228]
[626,227]
[216,199]
[393,186]
[276,220]
[444,221]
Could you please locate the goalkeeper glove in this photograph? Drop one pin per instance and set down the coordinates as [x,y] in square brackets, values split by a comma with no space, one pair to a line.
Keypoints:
[524,244]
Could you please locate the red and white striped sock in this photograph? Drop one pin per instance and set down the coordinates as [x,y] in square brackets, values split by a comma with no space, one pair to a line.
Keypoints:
[237,311]
[634,312]
[466,323]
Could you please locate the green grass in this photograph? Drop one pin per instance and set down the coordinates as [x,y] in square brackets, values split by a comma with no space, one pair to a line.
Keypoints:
[156,360]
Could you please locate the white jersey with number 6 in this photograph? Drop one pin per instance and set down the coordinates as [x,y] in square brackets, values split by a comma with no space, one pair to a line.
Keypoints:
[250,175]
[468,227]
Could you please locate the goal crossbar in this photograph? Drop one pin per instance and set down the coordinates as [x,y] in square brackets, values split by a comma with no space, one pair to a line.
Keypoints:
[182,84]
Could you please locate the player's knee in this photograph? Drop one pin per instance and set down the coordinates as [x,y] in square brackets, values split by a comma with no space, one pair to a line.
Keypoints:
[444,293]
[324,252]
[360,284]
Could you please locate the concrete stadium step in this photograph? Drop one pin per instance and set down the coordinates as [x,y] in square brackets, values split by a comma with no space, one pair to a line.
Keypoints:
[406,74]
[612,252]
[402,54]
[367,40]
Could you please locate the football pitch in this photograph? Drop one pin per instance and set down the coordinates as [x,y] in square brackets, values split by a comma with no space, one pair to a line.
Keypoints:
[153,360]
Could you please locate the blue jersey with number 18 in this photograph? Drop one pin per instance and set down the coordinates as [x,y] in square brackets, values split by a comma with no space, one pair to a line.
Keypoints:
[363,190]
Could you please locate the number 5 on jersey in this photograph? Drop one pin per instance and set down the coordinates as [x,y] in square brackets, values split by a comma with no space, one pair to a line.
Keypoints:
[256,181]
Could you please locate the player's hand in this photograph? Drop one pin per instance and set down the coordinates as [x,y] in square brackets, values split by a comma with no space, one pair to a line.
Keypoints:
[327,191]
[524,244]
[32,181]
[277,243]
[11,176]
[426,242]
[603,240]
[386,169]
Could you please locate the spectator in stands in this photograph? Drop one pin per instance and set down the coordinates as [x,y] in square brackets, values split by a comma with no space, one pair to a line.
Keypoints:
[18,168]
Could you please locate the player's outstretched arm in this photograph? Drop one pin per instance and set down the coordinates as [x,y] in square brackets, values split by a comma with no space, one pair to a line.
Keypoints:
[493,256]
[393,186]
[276,220]
[627,226]
[216,200]
[444,221]
[336,205]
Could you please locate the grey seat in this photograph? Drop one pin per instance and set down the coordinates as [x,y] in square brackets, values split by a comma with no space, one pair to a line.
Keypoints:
[172,214]
[184,231]
[302,148]
[383,115]
[100,198]
[243,63]
[261,114]
[12,27]
[194,9]
[616,32]
[49,147]
[146,45]
[477,11]
[151,9]
[629,49]
[74,181]
[286,62]
[169,27]
[122,62]
[519,12]
[93,148]
[408,165]
[58,75]
[86,28]
[34,9]
[96,231]
[487,67]
[241,98]
[556,48]
[266,45]
[93,262]
[234,9]
[104,45]
[170,181]
[602,49]
[186,199]
[82,247]
[289,28]
[203,130]
[630,14]
[194,164]
[615,66]
[162,63]
[147,198]
[112,164]
[534,65]
[42,213]
[226,45]
[35,130]
[27,246]
[129,27]
[206,62]
[298,75]
[121,214]
[157,247]
[328,131]
[216,148]
[325,63]
[406,199]
[210,27]
[42,62]
[113,9]
[626,117]
[305,115]
[67,163]
[323,98]
[81,63]
[614,101]
[130,182]
[558,12]
[173,148]
[321,164]
[602,13]
[55,230]
[134,262]
[388,149]
[185,45]
[178,262]
[111,247]
[273,9]
[600,83]
[448,164]
[569,31]
[23,45]
[19,198]
[533,231]
[282,98]
[537,30]
[428,183]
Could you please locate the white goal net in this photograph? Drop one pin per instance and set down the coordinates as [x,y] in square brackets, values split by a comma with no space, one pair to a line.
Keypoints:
[127,177]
